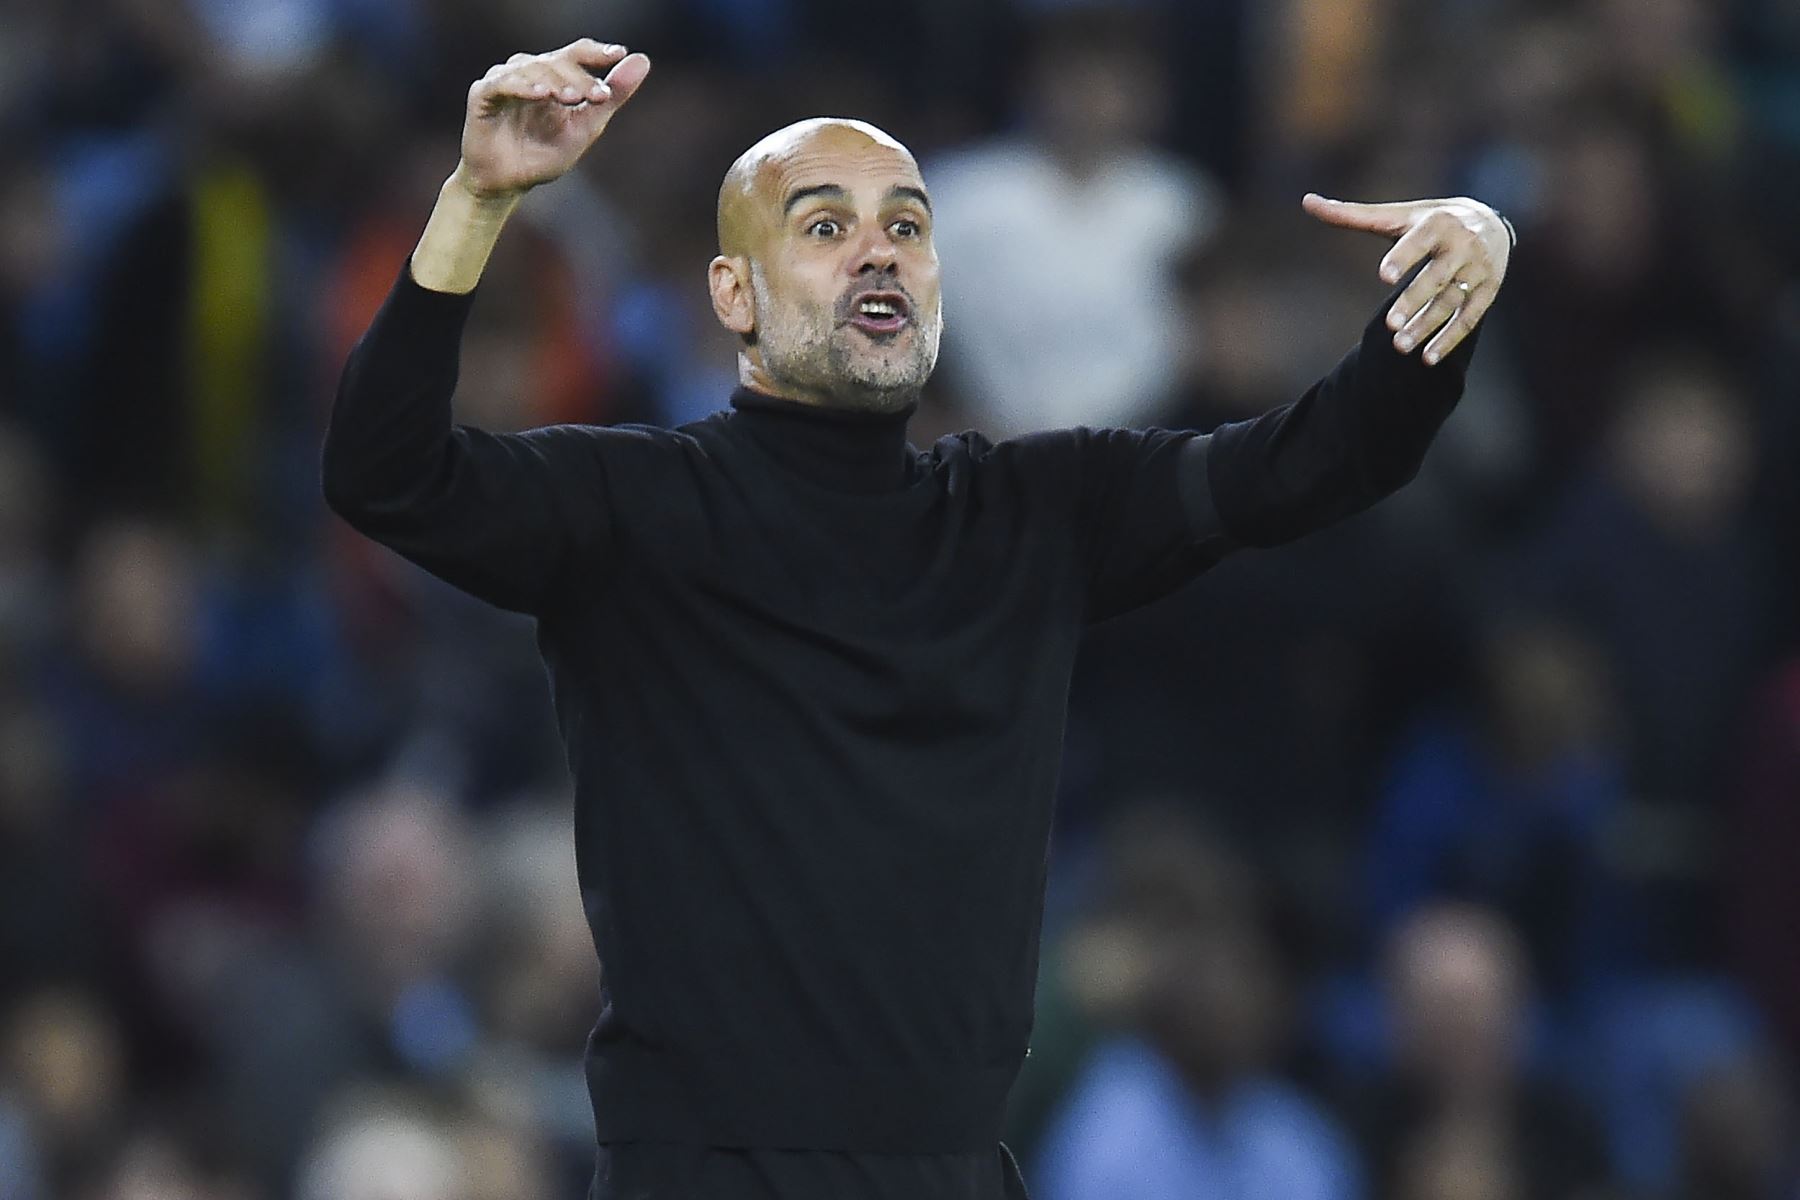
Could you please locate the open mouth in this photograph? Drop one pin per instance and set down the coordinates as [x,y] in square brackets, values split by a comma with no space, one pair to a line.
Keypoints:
[880,312]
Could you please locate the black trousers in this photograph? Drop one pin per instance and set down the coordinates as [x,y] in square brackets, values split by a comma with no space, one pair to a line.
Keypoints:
[660,1171]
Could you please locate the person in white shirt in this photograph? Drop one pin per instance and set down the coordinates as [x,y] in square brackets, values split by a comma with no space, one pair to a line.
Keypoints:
[1061,308]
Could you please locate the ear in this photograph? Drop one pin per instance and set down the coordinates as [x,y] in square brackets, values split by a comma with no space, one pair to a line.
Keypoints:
[728,279]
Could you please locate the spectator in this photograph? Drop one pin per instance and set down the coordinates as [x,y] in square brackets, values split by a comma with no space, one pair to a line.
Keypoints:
[1651,557]
[537,998]
[1736,1135]
[372,988]
[382,1149]
[1511,805]
[1463,1117]
[1185,1102]
[1668,54]
[1612,266]
[156,1162]
[1065,235]
[65,1081]
[1180,1096]
[124,687]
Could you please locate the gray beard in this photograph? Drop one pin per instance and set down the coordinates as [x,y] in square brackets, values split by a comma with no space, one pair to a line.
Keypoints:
[812,354]
[864,395]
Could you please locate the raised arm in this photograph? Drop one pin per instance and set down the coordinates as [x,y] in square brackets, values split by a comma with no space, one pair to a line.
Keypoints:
[1361,432]
[1154,508]
[499,515]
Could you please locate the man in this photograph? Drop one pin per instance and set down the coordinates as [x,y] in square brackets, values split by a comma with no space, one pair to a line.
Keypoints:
[1078,203]
[811,680]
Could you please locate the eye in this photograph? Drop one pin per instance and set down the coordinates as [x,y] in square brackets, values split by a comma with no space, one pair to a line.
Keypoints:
[824,227]
[905,227]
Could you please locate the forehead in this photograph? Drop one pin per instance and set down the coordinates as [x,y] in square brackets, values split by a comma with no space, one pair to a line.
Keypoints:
[845,155]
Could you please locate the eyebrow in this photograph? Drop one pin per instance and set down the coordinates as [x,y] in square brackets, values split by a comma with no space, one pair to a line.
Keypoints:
[912,193]
[832,191]
[828,190]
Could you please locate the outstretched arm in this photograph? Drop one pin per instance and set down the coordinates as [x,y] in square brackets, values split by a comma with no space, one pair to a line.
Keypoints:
[1361,432]
[499,515]
[1154,508]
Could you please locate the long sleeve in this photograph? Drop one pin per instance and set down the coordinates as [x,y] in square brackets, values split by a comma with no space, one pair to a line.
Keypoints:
[1153,508]
[505,517]
[1358,434]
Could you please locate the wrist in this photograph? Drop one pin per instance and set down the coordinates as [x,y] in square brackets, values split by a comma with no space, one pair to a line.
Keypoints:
[459,236]
[495,205]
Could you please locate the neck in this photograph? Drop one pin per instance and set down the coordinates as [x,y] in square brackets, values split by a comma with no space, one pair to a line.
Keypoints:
[843,449]
[1080,159]
[754,376]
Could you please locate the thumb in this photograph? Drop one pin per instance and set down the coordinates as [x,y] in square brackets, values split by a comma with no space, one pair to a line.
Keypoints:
[626,77]
[622,83]
[1390,220]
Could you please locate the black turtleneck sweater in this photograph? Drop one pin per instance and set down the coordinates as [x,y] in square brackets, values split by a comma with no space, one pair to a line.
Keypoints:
[812,684]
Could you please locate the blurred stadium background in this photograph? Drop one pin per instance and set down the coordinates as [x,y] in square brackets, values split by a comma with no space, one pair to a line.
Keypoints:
[1450,855]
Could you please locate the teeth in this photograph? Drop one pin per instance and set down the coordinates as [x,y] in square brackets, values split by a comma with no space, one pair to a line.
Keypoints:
[878,308]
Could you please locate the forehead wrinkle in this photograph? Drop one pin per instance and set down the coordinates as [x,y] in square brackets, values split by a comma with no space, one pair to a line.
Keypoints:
[752,194]
[793,171]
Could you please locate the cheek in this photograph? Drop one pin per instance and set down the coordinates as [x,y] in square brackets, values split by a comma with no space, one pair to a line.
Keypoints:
[927,282]
[933,303]
[812,286]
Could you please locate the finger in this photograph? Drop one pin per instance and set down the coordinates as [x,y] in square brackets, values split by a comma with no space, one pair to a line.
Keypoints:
[1481,298]
[1428,283]
[625,79]
[513,84]
[1391,220]
[593,55]
[1437,312]
[1425,238]
[567,82]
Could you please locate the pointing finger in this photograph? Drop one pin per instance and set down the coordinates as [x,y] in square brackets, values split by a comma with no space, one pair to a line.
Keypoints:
[1390,220]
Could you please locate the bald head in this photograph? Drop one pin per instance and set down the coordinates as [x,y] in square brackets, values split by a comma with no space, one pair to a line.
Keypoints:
[826,268]
[755,190]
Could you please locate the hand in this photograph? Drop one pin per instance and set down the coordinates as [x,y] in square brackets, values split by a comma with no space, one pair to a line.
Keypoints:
[531,118]
[1467,243]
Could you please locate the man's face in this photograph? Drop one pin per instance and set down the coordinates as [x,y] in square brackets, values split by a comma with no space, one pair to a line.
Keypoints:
[843,274]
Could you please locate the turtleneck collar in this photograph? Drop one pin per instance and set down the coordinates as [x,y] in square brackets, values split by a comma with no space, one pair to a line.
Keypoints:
[844,449]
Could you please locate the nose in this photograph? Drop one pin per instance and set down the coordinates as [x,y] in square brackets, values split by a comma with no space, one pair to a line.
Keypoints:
[875,252]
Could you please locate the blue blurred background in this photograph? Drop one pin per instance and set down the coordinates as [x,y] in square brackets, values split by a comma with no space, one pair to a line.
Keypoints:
[1447,855]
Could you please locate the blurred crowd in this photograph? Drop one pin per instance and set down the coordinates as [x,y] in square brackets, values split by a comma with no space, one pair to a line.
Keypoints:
[1450,854]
